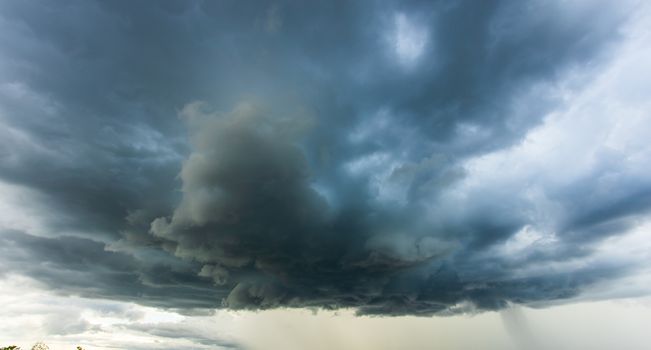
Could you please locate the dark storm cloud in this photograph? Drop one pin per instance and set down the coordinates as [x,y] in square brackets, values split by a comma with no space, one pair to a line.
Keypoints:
[85,267]
[317,170]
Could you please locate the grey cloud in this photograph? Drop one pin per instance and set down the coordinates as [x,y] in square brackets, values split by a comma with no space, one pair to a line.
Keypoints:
[84,267]
[320,171]
[181,331]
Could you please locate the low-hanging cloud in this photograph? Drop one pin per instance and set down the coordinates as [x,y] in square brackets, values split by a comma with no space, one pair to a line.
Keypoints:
[249,213]
[321,170]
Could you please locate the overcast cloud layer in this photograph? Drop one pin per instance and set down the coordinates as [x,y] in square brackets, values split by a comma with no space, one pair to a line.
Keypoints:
[392,157]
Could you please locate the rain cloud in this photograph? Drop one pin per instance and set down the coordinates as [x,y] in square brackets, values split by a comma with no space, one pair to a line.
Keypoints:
[392,157]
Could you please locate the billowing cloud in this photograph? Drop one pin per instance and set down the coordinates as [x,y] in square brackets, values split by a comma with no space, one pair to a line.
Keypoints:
[395,158]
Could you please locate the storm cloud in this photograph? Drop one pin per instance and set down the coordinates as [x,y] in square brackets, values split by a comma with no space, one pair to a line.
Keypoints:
[392,157]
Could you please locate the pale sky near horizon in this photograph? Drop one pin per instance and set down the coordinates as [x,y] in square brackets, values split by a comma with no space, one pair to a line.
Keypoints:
[597,325]
[446,175]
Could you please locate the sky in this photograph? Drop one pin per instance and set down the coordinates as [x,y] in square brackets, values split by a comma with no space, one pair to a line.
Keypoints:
[327,174]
